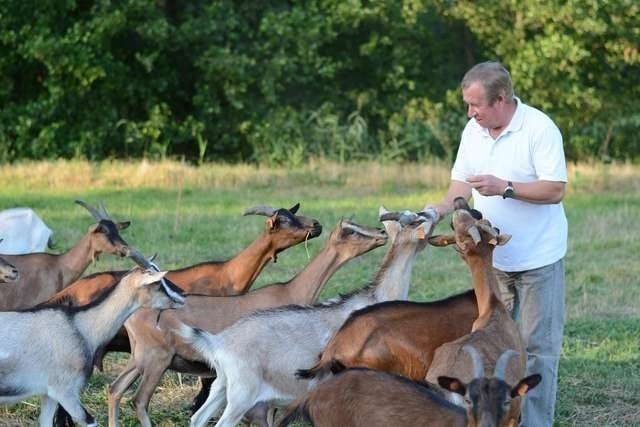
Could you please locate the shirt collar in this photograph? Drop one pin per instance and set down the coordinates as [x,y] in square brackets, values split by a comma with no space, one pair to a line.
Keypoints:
[518,118]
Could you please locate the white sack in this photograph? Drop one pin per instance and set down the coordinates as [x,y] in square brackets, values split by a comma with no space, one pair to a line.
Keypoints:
[22,232]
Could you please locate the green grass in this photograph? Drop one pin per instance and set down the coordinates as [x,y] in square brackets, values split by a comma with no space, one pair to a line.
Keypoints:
[600,366]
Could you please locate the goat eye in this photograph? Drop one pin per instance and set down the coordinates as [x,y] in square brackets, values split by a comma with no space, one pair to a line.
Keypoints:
[347,231]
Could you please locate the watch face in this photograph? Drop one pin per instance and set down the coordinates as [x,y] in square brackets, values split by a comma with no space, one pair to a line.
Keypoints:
[508,193]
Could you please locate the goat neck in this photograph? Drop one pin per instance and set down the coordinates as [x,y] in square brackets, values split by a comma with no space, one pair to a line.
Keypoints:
[98,322]
[347,241]
[475,242]
[485,287]
[394,277]
[245,267]
[76,260]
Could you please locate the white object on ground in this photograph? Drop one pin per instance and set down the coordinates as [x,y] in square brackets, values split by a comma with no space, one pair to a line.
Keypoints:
[22,232]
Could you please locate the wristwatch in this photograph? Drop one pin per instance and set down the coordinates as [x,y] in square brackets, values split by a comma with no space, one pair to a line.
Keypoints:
[508,190]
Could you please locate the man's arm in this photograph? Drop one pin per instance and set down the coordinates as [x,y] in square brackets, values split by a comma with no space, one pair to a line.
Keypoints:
[541,192]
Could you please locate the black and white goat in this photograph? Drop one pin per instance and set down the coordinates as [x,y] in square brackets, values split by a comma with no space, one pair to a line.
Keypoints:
[49,351]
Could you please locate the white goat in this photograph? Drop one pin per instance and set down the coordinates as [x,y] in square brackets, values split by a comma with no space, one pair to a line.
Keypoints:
[256,358]
[49,351]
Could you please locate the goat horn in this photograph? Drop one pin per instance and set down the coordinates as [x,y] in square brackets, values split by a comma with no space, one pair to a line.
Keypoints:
[430,214]
[501,364]
[170,288]
[489,229]
[103,210]
[94,212]
[140,259]
[359,230]
[478,367]
[260,210]
[390,216]
[475,234]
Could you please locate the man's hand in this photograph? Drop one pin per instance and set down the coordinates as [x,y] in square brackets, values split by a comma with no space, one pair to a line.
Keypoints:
[487,185]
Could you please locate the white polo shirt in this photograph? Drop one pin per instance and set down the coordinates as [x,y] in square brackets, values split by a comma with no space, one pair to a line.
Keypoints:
[528,149]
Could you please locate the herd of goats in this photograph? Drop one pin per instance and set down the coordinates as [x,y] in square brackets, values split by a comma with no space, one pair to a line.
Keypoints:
[369,358]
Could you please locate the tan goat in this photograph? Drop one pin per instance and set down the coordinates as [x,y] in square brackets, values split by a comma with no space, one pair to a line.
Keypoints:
[44,274]
[157,345]
[494,331]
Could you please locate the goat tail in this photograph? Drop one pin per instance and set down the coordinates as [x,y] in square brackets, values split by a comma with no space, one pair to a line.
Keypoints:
[203,342]
[321,370]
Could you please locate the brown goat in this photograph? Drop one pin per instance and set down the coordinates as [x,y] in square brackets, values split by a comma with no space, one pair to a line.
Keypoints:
[360,397]
[283,229]
[43,274]
[494,331]
[399,337]
[489,400]
[157,345]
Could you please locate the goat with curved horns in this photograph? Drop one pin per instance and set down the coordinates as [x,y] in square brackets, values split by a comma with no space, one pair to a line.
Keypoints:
[43,274]
[489,400]
[255,358]
[158,346]
[361,397]
[494,331]
[283,229]
[49,351]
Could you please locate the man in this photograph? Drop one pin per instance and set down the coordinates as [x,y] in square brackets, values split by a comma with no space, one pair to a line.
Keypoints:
[511,161]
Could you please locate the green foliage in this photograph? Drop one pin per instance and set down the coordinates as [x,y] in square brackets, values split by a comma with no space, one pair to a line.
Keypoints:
[281,83]
[576,60]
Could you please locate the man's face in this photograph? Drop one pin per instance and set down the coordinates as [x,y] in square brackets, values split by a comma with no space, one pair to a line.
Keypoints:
[487,116]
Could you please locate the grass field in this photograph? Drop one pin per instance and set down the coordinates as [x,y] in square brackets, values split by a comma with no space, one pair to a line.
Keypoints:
[187,215]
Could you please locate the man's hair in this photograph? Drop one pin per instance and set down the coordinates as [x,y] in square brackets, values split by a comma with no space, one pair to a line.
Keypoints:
[493,77]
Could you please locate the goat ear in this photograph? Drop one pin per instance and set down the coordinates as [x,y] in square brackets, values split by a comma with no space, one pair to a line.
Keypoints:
[442,240]
[294,208]
[454,385]
[503,239]
[525,385]
[153,277]
[122,225]
[99,228]
[271,223]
